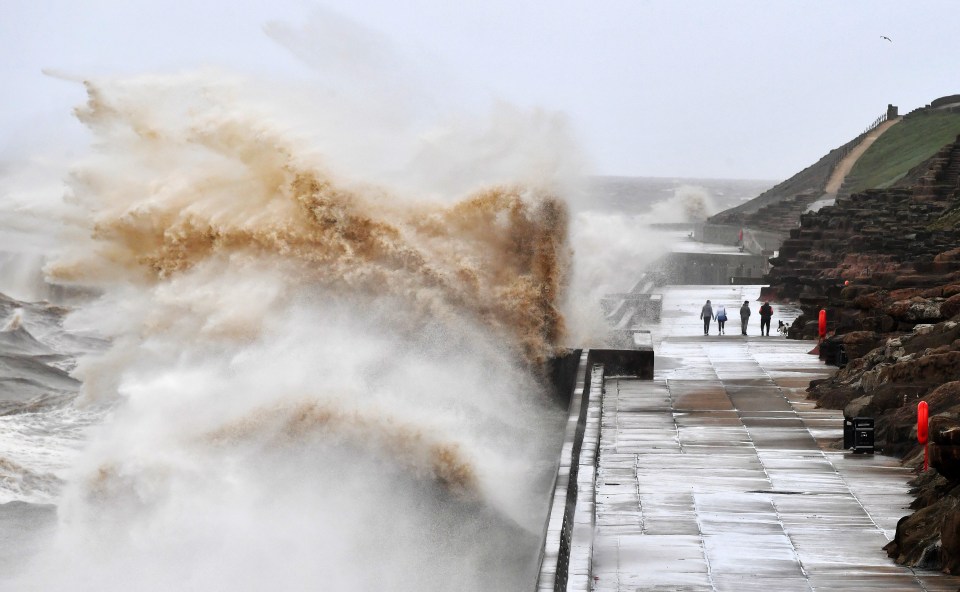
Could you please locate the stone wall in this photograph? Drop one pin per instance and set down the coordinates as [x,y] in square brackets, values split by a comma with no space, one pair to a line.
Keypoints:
[875,242]
[709,268]
[885,266]
[944,101]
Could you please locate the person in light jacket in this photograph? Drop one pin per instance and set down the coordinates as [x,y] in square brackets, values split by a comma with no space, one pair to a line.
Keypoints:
[744,317]
[721,317]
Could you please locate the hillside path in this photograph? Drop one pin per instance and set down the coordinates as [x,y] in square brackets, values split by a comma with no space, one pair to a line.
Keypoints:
[845,165]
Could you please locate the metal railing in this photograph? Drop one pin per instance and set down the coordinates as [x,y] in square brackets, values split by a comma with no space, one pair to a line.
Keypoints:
[849,146]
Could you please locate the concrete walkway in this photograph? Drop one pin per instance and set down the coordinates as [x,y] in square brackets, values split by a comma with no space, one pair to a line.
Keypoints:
[715,475]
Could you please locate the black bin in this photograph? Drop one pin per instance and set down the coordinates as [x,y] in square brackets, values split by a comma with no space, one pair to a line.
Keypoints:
[842,356]
[858,434]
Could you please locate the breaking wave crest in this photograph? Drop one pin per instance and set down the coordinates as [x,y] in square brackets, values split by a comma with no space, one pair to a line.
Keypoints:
[405,444]
[230,191]
[306,372]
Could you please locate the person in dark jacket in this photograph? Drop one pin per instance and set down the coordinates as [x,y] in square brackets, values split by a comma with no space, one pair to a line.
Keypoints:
[744,317]
[766,311]
[706,313]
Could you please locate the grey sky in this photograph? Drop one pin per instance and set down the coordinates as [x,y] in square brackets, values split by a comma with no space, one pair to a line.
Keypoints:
[748,89]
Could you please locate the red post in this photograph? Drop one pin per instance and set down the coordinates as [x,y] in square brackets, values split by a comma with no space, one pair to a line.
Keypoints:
[923,415]
[822,326]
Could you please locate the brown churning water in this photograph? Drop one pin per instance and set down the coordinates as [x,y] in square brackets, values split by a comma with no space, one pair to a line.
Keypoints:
[234,192]
[312,379]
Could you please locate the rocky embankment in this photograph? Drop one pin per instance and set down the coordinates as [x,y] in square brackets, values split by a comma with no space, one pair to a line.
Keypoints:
[885,265]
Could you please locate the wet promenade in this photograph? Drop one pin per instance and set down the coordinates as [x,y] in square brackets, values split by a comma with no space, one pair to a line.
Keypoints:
[716,475]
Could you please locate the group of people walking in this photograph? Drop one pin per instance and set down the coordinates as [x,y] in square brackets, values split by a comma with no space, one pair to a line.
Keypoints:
[707,313]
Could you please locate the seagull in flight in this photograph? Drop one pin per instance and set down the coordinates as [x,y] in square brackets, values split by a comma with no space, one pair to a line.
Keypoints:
[887,38]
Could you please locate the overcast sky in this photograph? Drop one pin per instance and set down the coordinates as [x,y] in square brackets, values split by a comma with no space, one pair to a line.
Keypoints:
[705,89]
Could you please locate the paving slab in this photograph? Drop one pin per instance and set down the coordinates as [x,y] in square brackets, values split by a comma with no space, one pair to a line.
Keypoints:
[718,474]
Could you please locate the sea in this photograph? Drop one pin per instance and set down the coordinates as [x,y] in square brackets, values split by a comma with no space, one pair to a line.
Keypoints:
[232,359]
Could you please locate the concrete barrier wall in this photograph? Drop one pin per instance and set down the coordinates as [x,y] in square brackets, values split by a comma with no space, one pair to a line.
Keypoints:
[755,241]
[710,268]
[563,376]
[555,552]
[625,362]
[567,548]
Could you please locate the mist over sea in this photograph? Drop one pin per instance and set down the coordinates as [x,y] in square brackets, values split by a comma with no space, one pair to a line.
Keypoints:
[222,414]
[264,335]
[630,196]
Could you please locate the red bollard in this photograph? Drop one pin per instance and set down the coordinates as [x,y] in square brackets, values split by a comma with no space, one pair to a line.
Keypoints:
[923,415]
[822,326]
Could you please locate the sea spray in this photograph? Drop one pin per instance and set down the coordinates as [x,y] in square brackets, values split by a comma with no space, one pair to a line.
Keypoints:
[688,204]
[312,382]
[234,192]
[619,234]
[613,252]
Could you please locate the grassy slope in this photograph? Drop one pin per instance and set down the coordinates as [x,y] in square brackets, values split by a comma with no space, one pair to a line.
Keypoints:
[904,146]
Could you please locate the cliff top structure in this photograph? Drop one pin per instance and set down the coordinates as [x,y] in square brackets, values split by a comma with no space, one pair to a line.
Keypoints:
[884,155]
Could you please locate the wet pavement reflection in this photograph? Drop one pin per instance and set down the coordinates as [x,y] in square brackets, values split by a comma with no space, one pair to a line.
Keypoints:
[718,474]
